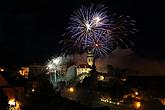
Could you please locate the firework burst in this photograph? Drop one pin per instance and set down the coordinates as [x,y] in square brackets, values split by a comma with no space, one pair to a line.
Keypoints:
[53,65]
[87,22]
[121,29]
[100,47]
[92,28]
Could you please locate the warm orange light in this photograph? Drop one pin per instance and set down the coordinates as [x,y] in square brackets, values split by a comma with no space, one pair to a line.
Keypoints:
[137,104]
[162,101]
[123,79]
[118,103]
[71,89]
[33,90]
[101,78]
[136,93]
[24,71]
[18,104]
[2,70]
[20,72]
[12,102]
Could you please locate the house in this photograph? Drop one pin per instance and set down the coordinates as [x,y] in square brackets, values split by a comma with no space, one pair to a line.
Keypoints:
[14,93]
[36,70]
[24,71]
[86,68]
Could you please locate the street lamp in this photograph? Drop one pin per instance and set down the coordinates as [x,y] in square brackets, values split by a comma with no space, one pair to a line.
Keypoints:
[2,70]
[136,93]
[71,89]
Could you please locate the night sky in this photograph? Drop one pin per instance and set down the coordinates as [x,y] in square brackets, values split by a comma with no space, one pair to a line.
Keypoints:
[30,31]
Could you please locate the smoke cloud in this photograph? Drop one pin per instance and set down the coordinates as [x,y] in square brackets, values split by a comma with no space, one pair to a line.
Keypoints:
[127,59]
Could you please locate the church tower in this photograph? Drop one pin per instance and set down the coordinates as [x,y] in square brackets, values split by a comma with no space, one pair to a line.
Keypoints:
[90,58]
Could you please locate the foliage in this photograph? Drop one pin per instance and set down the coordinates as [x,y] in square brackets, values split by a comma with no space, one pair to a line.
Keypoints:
[3,101]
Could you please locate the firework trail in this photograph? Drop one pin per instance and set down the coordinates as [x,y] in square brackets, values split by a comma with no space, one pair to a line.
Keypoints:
[55,70]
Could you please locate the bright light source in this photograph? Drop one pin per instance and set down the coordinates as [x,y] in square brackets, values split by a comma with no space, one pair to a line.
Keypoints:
[71,89]
[50,66]
[106,100]
[12,102]
[118,103]
[88,27]
[2,70]
[18,105]
[96,45]
[14,105]
[97,19]
[136,93]
[56,60]
[123,79]
[101,78]
[20,72]
[54,64]
[33,90]
[137,104]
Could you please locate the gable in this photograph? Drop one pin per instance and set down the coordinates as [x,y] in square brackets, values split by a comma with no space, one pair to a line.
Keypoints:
[3,81]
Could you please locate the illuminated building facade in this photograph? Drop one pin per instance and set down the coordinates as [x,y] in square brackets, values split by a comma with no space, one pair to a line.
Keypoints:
[24,71]
[86,68]
[83,68]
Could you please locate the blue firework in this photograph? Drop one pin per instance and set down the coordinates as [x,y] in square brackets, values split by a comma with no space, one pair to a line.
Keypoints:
[93,29]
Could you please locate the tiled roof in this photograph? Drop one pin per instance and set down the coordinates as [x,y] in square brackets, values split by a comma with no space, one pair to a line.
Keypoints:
[83,66]
[103,74]
[3,81]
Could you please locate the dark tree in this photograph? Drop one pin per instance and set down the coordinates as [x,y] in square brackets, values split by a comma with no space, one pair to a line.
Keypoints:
[43,97]
[3,101]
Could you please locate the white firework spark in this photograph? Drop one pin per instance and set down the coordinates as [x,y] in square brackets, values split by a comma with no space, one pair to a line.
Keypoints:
[93,29]
[87,22]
